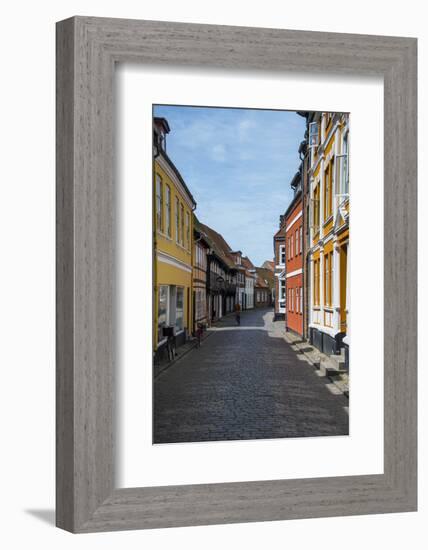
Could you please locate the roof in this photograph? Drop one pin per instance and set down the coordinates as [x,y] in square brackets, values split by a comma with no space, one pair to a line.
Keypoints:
[197,228]
[265,278]
[247,263]
[295,200]
[219,245]
[162,122]
[261,283]
[163,154]
[268,264]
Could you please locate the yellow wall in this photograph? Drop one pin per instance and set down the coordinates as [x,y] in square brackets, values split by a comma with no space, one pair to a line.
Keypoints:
[169,244]
[166,273]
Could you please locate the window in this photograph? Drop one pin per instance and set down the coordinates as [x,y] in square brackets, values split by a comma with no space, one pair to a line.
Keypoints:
[345,166]
[179,308]
[301,299]
[159,203]
[200,304]
[297,300]
[200,256]
[182,224]
[301,238]
[291,247]
[313,134]
[297,242]
[282,254]
[177,220]
[162,310]
[316,295]
[282,290]
[316,209]
[188,230]
[328,190]
[328,278]
[168,210]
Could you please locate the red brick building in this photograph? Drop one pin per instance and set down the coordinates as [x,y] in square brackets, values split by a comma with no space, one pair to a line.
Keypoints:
[294,259]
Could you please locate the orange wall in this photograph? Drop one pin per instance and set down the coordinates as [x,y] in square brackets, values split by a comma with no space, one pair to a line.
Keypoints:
[296,261]
[294,318]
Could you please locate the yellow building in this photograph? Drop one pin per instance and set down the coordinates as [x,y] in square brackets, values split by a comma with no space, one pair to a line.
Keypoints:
[172,245]
[328,194]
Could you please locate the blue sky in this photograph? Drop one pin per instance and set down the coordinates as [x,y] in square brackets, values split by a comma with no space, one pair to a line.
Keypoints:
[238,164]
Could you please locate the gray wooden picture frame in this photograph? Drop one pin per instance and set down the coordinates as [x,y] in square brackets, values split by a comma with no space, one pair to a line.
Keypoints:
[87,50]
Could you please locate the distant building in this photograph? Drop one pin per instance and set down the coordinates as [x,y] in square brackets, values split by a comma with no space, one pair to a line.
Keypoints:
[279,260]
[173,244]
[240,277]
[222,275]
[250,279]
[200,267]
[269,264]
[264,287]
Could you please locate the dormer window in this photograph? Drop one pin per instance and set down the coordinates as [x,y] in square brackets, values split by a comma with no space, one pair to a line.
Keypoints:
[160,130]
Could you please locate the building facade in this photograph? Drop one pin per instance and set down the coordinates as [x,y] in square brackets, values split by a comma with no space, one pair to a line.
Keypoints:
[236,256]
[328,198]
[264,287]
[269,264]
[294,259]
[173,247]
[280,271]
[200,268]
[250,278]
[222,275]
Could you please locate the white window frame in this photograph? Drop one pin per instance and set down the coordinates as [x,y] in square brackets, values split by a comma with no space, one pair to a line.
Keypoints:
[177,289]
[188,230]
[182,224]
[168,210]
[282,254]
[159,337]
[177,219]
[159,203]
[282,289]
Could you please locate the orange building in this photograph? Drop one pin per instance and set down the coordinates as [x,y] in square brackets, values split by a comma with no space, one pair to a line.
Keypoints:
[294,259]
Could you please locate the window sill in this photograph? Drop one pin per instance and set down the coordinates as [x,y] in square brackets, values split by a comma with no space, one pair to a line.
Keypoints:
[164,235]
[182,247]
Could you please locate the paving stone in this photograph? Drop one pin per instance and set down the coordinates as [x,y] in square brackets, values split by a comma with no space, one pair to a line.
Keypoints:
[245,382]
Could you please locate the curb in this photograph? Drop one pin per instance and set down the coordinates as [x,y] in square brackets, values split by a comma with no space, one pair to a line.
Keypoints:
[314,363]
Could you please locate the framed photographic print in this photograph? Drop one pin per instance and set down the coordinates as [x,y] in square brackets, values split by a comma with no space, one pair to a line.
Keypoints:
[234,205]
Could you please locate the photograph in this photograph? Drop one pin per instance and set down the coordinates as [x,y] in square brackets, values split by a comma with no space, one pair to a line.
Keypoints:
[250,266]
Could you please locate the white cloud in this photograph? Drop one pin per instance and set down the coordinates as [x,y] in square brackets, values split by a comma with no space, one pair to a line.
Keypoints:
[245,127]
[218,153]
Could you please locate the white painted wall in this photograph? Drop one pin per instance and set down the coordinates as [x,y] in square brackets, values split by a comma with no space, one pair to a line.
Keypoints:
[27,273]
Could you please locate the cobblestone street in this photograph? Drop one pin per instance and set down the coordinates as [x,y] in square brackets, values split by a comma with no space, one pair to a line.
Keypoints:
[245,382]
